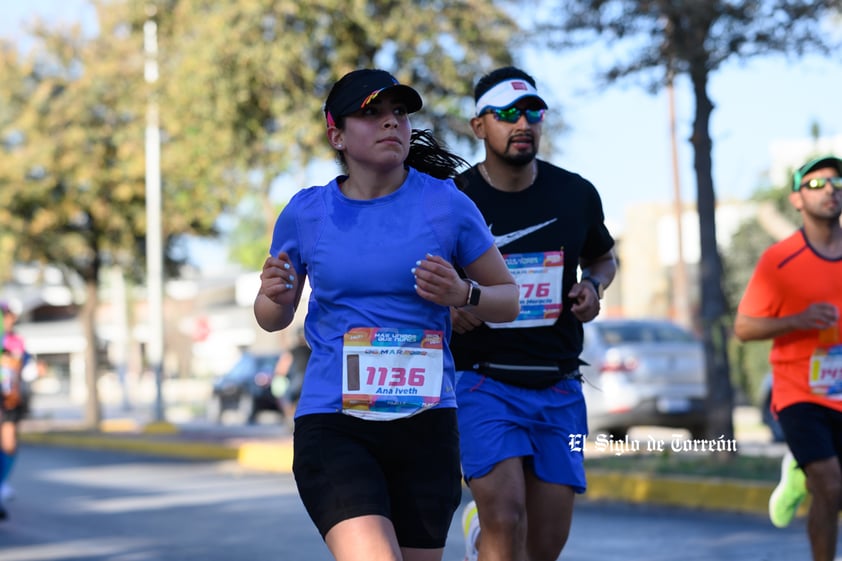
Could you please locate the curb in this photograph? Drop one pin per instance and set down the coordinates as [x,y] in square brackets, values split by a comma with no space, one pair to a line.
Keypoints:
[133,443]
[706,493]
[266,456]
[692,492]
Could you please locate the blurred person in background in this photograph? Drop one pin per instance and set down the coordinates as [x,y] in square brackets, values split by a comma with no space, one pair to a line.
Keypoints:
[794,297]
[12,404]
[376,444]
[289,375]
[519,388]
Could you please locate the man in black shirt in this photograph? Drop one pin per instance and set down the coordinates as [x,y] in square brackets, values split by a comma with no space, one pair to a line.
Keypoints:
[520,391]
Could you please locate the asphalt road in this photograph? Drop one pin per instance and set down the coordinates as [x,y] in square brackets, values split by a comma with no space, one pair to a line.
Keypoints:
[84,505]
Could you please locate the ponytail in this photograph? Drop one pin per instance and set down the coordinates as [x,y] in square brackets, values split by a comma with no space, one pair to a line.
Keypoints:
[428,155]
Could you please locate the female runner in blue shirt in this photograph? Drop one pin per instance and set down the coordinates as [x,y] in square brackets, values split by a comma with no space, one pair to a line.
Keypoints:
[376,442]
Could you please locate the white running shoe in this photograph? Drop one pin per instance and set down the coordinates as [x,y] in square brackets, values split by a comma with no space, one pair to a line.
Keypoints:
[7,493]
[470,527]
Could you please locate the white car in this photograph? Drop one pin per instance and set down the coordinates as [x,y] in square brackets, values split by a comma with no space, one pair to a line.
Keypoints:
[643,372]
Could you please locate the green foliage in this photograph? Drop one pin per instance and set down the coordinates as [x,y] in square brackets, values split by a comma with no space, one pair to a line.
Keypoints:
[667,38]
[778,197]
[247,81]
[747,243]
[68,196]
[240,99]
[749,364]
[73,165]
[750,361]
[249,240]
[239,95]
[662,39]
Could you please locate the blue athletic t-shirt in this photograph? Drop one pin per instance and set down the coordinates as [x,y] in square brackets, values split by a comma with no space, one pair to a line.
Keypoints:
[358,257]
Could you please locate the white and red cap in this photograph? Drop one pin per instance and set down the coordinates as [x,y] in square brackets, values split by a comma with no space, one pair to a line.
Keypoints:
[506,93]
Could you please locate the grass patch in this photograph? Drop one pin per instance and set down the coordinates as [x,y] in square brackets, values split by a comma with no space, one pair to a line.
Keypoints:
[752,468]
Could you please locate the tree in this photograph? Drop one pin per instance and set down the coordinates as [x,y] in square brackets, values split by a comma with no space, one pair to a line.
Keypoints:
[69,194]
[240,92]
[253,76]
[775,219]
[665,38]
[749,362]
[73,184]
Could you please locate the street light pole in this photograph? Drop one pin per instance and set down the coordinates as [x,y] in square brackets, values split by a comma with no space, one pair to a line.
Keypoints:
[681,293]
[154,245]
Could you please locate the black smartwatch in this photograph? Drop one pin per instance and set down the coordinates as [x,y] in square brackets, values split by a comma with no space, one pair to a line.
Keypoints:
[474,293]
[597,286]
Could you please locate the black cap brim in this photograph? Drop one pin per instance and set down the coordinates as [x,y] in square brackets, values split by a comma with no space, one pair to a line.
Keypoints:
[360,87]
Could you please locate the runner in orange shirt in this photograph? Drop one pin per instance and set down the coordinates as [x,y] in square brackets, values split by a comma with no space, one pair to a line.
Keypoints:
[794,298]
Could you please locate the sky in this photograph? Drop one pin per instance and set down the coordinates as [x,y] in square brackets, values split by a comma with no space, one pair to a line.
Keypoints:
[618,136]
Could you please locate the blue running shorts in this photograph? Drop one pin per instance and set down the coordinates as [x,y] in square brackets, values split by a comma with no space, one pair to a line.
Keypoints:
[498,421]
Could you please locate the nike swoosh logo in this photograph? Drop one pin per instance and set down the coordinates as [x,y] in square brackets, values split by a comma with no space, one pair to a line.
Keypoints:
[506,239]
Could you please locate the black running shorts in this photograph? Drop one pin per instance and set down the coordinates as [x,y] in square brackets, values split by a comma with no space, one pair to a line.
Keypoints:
[406,470]
[812,432]
[14,415]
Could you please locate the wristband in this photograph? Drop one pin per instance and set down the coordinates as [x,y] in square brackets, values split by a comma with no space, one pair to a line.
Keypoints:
[474,293]
[596,285]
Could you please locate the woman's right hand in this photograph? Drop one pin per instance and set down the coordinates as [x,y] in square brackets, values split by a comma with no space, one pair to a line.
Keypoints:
[279,280]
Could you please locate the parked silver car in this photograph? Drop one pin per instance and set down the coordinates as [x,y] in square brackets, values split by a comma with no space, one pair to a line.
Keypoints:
[643,372]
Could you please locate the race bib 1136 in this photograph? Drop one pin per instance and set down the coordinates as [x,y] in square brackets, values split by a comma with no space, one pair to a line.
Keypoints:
[389,373]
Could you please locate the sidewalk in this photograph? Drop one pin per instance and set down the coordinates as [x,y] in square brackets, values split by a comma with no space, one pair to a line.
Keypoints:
[268,447]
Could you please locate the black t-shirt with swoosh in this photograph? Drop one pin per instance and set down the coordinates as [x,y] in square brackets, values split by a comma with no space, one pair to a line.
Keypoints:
[559,211]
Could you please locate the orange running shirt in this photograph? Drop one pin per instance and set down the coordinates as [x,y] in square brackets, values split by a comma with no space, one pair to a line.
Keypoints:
[788,278]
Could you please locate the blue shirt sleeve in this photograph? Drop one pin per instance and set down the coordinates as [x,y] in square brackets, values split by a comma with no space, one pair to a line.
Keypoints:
[474,236]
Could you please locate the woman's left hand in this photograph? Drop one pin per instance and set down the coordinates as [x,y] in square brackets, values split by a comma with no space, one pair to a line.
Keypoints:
[437,281]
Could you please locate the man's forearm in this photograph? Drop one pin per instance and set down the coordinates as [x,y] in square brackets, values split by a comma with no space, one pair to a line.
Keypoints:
[748,328]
